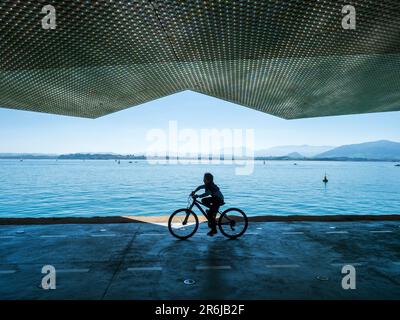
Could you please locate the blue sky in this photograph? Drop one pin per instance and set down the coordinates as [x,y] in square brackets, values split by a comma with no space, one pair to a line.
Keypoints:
[125,131]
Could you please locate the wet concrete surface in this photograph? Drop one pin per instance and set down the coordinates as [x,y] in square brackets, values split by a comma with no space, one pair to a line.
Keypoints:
[273,260]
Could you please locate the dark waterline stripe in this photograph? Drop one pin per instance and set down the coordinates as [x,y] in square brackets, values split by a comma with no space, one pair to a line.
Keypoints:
[158,219]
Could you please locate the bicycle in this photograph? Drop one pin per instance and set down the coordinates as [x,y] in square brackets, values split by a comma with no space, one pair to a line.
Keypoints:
[183,223]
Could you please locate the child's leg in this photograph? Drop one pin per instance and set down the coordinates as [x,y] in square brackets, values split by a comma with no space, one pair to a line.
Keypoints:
[212,212]
[213,222]
[207,202]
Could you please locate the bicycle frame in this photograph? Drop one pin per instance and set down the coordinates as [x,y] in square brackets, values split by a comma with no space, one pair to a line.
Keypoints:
[199,206]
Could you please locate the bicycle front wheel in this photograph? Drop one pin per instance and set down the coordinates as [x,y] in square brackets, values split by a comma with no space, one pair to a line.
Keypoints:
[233,223]
[183,223]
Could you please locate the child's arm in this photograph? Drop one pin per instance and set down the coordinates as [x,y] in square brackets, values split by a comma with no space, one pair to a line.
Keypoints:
[207,193]
[199,188]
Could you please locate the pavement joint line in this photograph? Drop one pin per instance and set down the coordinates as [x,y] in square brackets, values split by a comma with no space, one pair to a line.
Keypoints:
[201,234]
[53,236]
[35,264]
[72,270]
[144,269]
[380,231]
[121,261]
[337,232]
[348,263]
[7,271]
[213,267]
[293,232]
[281,266]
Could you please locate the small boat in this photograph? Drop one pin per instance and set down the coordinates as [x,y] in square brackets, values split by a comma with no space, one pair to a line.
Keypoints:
[397,165]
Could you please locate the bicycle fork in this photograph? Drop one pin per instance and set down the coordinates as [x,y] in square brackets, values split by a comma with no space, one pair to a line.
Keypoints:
[186,219]
[187,215]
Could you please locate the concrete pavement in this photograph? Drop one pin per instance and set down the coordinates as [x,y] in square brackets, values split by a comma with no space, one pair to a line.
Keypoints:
[274,260]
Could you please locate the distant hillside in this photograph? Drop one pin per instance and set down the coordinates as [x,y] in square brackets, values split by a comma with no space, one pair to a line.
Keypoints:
[98,156]
[27,156]
[382,150]
[303,150]
[377,150]
[295,155]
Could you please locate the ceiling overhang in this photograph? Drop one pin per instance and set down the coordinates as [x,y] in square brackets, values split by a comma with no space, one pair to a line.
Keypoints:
[291,59]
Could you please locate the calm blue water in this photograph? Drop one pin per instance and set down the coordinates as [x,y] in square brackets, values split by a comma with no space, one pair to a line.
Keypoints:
[49,188]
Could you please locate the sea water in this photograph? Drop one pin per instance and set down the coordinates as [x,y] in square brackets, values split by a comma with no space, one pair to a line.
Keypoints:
[76,188]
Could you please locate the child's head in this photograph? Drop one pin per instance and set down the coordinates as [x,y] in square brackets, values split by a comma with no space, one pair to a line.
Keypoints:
[208,178]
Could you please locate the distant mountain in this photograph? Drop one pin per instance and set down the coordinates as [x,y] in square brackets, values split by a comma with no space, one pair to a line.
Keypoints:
[377,150]
[303,150]
[295,155]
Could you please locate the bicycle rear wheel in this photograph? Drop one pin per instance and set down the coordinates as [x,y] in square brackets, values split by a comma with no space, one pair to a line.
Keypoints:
[233,223]
[183,223]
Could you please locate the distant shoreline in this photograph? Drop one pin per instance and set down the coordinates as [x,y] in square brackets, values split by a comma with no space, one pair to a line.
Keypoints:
[375,151]
[143,158]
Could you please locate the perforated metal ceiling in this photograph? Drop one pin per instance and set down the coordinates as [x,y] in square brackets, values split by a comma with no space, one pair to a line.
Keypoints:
[291,59]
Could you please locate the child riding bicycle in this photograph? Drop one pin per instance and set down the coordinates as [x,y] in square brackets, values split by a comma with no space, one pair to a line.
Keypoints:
[211,198]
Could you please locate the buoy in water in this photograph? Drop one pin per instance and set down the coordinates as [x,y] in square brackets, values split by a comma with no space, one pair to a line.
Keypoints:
[325,179]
